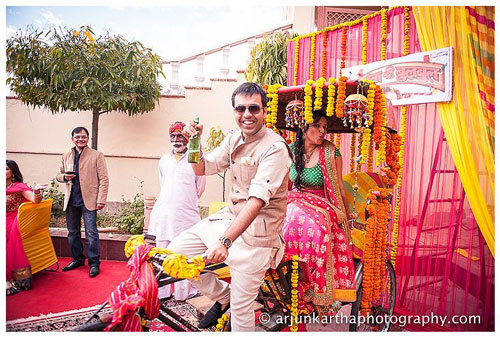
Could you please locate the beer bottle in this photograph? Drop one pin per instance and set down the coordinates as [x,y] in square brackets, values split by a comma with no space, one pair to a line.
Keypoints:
[194,146]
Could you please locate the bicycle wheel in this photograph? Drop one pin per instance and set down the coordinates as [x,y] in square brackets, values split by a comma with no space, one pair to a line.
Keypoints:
[382,310]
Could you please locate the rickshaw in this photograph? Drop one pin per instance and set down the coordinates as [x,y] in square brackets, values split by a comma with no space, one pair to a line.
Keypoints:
[276,294]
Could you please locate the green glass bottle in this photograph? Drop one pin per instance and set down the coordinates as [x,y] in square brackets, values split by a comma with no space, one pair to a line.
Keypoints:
[194,146]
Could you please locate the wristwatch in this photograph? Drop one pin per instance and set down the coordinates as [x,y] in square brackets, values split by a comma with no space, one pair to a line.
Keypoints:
[226,241]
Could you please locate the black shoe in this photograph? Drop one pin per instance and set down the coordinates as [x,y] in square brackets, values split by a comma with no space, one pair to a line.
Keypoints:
[94,271]
[73,264]
[212,316]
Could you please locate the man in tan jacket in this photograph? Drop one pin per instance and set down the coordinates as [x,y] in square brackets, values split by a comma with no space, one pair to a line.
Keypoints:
[247,234]
[85,174]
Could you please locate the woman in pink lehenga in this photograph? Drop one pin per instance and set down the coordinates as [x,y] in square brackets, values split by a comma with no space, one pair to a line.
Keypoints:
[315,227]
[17,265]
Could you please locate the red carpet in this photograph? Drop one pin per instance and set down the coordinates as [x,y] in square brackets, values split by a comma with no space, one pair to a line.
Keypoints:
[63,291]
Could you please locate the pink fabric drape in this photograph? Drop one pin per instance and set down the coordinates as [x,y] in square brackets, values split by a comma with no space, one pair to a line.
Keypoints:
[449,270]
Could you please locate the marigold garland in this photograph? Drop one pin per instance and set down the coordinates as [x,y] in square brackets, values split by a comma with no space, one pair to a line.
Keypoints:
[383,35]
[366,135]
[339,107]
[311,61]
[379,120]
[364,42]
[402,130]
[370,156]
[331,97]
[296,63]
[221,323]
[338,140]
[175,265]
[308,115]
[295,293]
[318,101]
[382,145]
[354,138]
[324,54]
[272,106]
[343,49]
[392,159]
[375,247]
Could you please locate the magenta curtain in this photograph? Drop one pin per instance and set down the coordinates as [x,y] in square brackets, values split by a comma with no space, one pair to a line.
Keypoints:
[443,265]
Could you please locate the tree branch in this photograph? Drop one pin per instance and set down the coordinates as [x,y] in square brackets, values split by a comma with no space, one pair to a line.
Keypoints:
[103,112]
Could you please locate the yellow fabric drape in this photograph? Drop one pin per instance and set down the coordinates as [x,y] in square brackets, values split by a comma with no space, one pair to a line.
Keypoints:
[467,123]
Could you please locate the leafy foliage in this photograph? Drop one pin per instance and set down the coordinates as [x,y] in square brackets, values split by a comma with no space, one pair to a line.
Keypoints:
[268,63]
[64,69]
[52,192]
[131,217]
[216,137]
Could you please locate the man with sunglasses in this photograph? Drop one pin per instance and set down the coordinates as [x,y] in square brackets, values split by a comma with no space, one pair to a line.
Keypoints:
[84,171]
[247,234]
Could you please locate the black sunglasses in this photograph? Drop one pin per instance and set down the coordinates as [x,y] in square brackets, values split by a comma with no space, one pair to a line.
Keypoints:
[252,108]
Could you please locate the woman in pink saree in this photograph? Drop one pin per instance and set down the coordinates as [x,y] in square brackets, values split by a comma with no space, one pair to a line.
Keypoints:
[315,227]
[17,265]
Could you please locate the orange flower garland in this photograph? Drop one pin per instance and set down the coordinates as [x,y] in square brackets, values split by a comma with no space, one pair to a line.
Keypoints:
[318,101]
[360,147]
[383,35]
[392,159]
[324,54]
[296,62]
[353,150]
[375,247]
[343,48]
[338,140]
[311,61]
[382,145]
[308,115]
[331,97]
[370,156]
[339,108]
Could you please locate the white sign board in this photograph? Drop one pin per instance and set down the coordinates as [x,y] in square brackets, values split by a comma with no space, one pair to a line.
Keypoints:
[413,79]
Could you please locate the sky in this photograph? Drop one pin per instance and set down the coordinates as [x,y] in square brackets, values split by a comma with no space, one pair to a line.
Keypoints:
[172,32]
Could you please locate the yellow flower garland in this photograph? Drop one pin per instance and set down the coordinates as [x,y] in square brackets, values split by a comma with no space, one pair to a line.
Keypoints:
[367,135]
[318,101]
[175,265]
[296,63]
[308,115]
[364,41]
[221,323]
[295,293]
[311,61]
[331,100]
[383,35]
[402,132]
[272,106]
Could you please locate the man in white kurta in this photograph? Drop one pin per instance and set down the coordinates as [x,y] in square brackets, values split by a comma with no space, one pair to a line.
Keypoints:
[176,208]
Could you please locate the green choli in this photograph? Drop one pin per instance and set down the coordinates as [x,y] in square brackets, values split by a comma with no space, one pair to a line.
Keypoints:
[311,176]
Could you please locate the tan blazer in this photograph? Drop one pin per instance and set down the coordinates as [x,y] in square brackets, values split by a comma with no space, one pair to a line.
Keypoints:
[93,176]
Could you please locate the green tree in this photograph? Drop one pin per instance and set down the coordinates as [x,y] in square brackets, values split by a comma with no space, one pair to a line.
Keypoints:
[64,69]
[268,63]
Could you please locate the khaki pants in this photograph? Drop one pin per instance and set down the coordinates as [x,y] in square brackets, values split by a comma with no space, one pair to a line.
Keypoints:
[248,266]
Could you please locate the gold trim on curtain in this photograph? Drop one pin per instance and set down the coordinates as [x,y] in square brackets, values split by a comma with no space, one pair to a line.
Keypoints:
[466,121]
